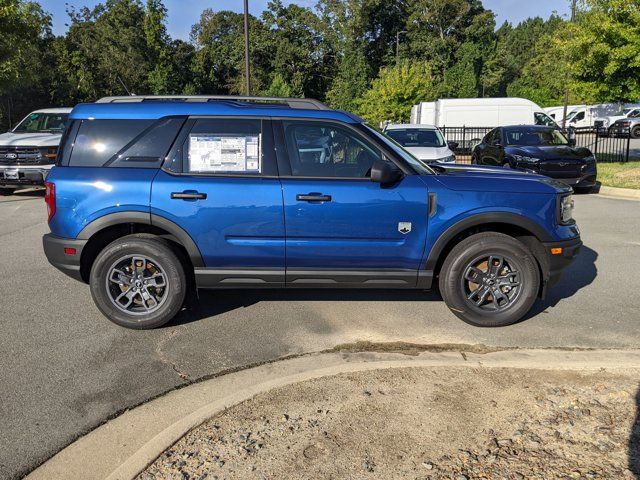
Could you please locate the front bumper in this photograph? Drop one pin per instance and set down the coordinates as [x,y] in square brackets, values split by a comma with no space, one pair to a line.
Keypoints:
[54,249]
[23,175]
[559,261]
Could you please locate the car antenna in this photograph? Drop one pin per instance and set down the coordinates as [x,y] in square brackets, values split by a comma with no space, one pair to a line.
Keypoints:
[125,87]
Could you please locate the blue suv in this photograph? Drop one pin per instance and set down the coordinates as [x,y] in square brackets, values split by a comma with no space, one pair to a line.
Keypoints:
[153,197]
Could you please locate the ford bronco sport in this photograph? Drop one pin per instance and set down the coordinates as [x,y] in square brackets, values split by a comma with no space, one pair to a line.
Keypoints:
[154,196]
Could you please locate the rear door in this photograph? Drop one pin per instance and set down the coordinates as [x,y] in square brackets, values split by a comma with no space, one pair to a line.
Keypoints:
[341,228]
[220,184]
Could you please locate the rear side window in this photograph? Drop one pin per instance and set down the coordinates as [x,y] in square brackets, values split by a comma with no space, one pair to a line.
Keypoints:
[98,141]
[148,149]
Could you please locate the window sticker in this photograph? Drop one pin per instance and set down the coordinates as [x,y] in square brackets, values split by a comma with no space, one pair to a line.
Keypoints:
[225,153]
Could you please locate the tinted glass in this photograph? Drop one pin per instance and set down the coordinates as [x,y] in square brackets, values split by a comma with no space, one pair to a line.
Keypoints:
[99,140]
[326,150]
[414,137]
[43,123]
[149,149]
[535,137]
[543,119]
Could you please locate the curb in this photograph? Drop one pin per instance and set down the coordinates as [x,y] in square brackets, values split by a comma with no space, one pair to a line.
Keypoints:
[626,193]
[123,447]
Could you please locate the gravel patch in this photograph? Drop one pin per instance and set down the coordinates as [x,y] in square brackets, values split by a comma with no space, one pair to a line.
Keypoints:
[417,423]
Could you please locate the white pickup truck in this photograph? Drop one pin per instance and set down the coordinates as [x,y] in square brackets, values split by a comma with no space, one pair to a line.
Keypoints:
[28,152]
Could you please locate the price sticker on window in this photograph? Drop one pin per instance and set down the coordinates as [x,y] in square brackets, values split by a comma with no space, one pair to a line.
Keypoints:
[215,153]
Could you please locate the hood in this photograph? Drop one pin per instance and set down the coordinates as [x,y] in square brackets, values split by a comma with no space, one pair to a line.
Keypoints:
[550,152]
[30,139]
[429,153]
[483,178]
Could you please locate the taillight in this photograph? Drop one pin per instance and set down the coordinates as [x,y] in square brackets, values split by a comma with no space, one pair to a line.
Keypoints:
[50,199]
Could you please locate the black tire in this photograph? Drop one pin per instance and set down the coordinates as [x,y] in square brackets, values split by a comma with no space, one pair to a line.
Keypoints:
[474,159]
[6,191]
[635,133]
[506,164]
[455,288]
[146,258]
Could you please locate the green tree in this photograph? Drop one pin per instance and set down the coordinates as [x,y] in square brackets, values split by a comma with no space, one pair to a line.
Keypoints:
[27,61]
[218,62]
[395,90]
[603,48]
[278,87]
[351,80]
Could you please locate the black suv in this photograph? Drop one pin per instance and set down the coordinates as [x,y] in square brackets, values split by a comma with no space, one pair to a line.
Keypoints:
[544,150]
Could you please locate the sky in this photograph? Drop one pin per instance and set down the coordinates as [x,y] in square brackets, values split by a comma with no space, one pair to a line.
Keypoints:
[184,13]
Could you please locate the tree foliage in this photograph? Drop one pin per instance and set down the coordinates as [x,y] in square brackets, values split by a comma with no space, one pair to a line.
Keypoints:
[372,56]
[395,90]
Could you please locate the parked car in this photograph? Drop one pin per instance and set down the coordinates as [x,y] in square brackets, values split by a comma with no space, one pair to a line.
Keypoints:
[479,112]
[557,112]
[627,126]
[544,150]
[425,142]
[153,195]
[28,152]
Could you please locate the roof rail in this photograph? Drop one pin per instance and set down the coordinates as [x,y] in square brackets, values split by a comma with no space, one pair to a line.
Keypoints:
[306,103]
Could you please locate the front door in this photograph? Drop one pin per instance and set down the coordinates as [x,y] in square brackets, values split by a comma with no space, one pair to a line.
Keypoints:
[341,228]
[220,185]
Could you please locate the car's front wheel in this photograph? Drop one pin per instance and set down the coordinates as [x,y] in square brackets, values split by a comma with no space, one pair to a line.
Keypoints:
[490,280]
[138,282]
[635,133]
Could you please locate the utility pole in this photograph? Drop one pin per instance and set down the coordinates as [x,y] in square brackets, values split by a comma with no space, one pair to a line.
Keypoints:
[398,44]
[566,78]
[246,46]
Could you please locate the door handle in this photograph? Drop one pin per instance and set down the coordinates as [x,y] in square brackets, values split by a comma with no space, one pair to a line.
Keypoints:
[188,195]
[313,197]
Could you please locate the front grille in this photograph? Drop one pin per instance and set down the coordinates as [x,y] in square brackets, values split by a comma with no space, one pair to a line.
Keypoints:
[561,168]
[23,155]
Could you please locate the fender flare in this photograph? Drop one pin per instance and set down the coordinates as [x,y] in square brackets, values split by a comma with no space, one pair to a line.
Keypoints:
[120,218]
[480,219]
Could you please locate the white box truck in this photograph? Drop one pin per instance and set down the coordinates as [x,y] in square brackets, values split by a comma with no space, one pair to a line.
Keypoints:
[480,112]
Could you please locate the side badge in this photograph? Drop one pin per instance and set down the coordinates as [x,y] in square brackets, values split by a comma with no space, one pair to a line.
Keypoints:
[404,227]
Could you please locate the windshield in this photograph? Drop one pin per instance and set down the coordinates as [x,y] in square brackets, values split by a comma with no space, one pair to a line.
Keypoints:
[633,114]
[418,166]
[42,123]
[535,137]
[417,137]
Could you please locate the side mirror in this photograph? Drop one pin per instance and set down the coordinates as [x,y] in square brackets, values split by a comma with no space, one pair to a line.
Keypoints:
[385,173]
[452,145]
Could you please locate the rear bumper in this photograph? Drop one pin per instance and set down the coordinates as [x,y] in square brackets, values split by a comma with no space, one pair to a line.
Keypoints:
[558,262]
[54,249]
[21,175]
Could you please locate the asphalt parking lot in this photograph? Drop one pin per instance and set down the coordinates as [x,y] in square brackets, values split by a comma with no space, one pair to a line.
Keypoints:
[66,369]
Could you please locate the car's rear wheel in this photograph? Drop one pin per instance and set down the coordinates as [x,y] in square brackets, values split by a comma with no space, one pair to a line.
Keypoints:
[138,282]
[490,280]
[635,133]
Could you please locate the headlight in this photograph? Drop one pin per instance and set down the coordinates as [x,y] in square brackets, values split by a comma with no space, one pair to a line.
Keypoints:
[523,159]
[449,159]
[565,210]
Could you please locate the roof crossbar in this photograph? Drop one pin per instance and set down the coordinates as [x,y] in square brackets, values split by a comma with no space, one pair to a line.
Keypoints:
[306,103]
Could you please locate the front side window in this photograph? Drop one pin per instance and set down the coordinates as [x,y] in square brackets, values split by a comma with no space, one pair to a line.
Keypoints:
[327,150]
[43,123]
[417,137]
[535,137]
[544,119]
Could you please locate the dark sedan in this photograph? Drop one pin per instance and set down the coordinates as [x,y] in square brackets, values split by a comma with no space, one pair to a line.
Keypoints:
[544,150]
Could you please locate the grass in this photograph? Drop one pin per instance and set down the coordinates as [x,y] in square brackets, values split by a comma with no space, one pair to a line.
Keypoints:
[617,174]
